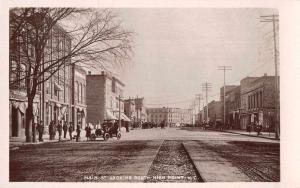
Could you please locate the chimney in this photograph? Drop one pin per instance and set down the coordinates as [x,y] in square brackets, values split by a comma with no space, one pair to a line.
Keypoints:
[265,74]
[89,72]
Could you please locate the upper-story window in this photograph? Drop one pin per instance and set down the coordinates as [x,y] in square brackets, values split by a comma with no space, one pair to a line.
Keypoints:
[80,93]
[76,91]
[113,86]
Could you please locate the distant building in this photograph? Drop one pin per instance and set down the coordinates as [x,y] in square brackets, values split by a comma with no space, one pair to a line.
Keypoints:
[140,109]
[258,101]
[172,116]
[102,98]
[215,112]
[130,110]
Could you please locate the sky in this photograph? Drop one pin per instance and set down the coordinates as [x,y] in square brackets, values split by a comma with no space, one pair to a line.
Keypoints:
[177,50]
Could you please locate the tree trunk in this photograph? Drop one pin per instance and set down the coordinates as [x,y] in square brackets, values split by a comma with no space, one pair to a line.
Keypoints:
[29,121]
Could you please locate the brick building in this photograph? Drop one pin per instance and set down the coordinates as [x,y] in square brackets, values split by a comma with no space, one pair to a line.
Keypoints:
[53,98]
[258,101]
[233,107]
[102,98]
[215,112]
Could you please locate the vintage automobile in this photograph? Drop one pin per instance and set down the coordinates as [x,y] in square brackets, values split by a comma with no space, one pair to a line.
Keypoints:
[97,133]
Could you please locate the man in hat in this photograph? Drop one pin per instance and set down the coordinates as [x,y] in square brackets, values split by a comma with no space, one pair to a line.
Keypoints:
[40,129]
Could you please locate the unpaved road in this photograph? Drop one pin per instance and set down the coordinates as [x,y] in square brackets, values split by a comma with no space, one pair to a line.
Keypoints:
[147,154]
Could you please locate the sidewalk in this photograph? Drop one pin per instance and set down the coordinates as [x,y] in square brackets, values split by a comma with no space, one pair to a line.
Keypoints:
[253,134]
[211,166]
[16,142]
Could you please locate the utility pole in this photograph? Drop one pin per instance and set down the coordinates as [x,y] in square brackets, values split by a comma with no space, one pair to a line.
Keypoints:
[224,68]
[206,86]
[199,97]
[273,19]
[119,98]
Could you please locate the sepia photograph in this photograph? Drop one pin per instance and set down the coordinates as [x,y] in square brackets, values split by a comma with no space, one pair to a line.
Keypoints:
[159,94]
[149,95]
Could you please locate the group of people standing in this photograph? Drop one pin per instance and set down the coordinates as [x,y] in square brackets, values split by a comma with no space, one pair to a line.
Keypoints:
[61,128]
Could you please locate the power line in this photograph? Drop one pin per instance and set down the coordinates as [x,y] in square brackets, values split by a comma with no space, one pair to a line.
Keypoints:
[206,86]
[224,68]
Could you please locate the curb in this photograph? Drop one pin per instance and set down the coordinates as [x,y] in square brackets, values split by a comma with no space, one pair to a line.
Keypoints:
[32,144]
[250,135]
[195,167]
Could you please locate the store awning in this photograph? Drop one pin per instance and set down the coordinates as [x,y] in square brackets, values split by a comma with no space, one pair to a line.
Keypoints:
[110,116]
[123,116]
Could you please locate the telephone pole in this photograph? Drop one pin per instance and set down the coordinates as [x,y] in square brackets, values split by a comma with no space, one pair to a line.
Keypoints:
[199,97]
[119,98]
[206,86]
[224,68]
[273,19]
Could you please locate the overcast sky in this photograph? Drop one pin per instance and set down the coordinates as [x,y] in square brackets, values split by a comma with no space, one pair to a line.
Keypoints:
[179,49]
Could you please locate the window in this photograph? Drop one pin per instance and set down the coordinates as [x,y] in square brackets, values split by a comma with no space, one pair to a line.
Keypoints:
[76,91]
[113,86]
[80,94]
[47,87]
[249,102]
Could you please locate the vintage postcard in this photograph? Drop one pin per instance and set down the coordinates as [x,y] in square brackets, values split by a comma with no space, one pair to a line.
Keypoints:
[146,94]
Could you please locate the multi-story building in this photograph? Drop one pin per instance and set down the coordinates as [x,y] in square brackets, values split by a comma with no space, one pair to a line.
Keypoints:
[140,109]
[228,88]
[233,107]
[79,96]
[130,110]
[258,101]
[53,98]
[172,116]
[215,112]
[103,96]
[157,115]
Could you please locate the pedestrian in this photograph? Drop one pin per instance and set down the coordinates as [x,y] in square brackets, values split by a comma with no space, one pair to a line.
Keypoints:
[65,129]
[40,129]
[127,126]
[249,128]
[87,132]
[59,130]
[258,128]
[50,130]
[78,133]
[54,127]
[70,130]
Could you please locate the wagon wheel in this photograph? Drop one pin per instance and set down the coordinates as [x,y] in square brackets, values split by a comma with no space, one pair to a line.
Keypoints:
[106,136]
[93,137]
[118,135]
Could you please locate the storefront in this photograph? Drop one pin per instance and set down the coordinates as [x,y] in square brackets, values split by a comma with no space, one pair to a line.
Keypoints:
[17,110]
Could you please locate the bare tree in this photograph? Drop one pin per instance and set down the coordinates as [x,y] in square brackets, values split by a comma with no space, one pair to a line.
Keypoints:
[92,36]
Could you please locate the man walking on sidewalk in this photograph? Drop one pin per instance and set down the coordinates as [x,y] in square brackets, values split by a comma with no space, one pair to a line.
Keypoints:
[70,130]
[40,128]
[65,128]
